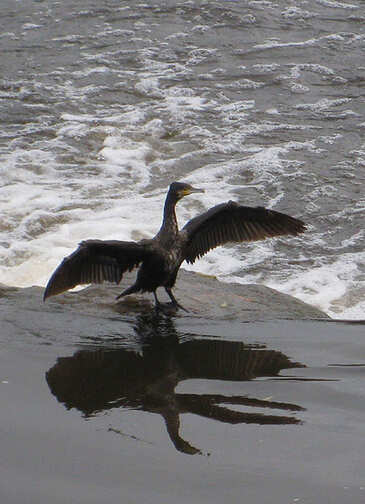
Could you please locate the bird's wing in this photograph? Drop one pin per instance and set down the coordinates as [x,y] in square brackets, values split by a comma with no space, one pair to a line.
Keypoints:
[231,222]
[96,261]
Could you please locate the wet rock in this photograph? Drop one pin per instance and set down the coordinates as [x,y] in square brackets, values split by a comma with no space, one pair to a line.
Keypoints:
[201,295]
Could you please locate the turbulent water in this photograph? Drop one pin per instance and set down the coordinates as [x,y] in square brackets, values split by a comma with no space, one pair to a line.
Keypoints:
[104,103]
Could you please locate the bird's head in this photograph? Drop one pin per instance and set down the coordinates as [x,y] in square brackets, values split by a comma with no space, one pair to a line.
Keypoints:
[179,189]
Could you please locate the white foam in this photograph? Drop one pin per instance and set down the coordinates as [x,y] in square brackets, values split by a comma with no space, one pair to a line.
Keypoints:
[126,158]
[266,68]
[91,175]
[275,44]
[31,26]
[241,84]
[297,13]
[323,104]
[330,286]
[337,5]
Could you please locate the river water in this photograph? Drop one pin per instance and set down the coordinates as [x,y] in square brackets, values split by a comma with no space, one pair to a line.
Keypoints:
[105,103]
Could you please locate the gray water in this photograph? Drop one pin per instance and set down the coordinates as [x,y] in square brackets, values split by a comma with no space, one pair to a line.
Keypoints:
[104,103]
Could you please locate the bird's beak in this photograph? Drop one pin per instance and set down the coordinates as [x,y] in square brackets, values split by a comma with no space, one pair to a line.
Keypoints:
[194,190]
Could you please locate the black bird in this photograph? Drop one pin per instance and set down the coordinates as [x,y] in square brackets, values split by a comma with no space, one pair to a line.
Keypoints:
[96,261]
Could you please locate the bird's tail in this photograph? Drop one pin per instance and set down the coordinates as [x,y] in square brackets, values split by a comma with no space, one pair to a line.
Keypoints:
[133,288]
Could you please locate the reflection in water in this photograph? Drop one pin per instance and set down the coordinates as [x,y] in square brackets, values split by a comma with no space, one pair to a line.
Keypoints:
[94,381]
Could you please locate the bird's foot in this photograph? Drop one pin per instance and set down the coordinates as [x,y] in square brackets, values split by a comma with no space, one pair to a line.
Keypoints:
[178,305]
[174,301]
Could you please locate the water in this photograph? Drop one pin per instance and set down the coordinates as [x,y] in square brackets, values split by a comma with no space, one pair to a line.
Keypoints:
[103,104]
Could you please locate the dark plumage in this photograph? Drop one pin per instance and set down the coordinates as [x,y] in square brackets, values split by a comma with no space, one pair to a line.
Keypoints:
[96,261]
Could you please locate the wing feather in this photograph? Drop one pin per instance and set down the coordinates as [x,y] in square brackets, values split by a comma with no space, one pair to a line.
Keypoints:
[230,222]
[96,261]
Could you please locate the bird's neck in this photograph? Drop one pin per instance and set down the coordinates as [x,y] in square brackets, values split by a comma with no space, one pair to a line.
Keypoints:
[169,228]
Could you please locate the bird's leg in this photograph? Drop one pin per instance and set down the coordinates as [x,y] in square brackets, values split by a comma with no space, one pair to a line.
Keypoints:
[156,298]
[158,304]
[174,301]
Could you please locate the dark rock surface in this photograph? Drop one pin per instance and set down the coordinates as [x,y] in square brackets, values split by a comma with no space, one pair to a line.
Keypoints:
[201,295]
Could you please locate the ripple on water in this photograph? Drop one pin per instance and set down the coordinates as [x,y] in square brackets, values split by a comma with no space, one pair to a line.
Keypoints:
[104,107]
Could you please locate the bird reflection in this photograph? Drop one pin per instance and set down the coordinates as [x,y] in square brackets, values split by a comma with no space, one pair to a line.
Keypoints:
[145,378]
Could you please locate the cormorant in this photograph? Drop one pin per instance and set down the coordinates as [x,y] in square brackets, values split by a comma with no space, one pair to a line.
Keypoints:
[96,261]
